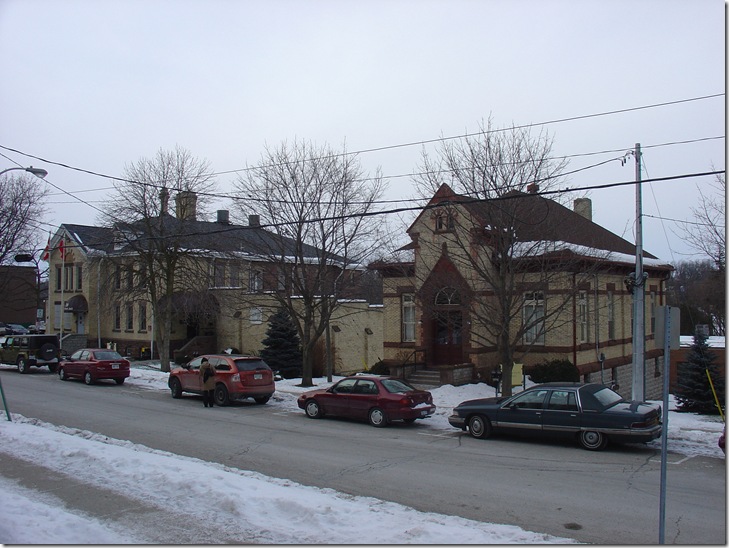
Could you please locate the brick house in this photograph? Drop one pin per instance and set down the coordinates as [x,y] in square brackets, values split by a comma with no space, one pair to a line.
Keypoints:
[434,298]
[95,296]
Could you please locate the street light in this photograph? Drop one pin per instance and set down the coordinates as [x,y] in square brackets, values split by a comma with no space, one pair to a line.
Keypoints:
[38,172]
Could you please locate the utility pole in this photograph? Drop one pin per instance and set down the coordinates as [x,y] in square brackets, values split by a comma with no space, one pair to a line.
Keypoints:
[638,387]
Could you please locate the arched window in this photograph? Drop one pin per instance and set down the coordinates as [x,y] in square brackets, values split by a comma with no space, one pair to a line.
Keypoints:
[448,295]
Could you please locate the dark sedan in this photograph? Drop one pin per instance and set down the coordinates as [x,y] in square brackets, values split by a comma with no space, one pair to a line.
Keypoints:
[593,413]
[93,364]
[378,400]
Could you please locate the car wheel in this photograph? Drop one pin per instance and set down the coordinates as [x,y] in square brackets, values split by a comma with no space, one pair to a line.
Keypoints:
[52,367]
[88,379]
[221,395]
[62,374]
[377,417]
[175,388]
[47,351]
[479,427]
[592,440]
[312,409]
[119,381]
[262,399]
[23,365]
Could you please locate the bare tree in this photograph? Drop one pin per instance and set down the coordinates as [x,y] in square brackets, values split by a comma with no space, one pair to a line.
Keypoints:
[22,205]
[160,254]
[707,234]
[319,203]
[504,259]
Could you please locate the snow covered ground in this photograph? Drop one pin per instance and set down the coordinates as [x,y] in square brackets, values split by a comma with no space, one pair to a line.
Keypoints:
[303,514]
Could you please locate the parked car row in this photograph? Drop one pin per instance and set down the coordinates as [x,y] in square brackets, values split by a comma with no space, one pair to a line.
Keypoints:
[592,413]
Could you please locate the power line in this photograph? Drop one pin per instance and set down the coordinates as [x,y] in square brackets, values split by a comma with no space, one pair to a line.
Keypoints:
[401,145]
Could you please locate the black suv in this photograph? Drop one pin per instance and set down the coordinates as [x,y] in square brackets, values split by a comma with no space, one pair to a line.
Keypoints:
[30,350]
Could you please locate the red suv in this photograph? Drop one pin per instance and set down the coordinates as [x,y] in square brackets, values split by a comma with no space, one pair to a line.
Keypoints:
[236,377]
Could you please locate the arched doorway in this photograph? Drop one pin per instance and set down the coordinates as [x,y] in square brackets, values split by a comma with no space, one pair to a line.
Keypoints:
[447,327]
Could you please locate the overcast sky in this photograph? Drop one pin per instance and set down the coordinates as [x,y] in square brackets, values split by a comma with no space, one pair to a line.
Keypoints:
[100,84]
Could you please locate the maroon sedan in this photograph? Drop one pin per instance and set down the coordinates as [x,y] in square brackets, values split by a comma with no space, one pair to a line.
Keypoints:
[92,364]
[378,400]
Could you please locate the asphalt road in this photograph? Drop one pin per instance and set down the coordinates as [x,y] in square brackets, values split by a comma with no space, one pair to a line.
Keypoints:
[608,497]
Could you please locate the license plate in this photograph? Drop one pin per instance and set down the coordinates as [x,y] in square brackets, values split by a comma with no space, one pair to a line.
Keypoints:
[258,376]
[423,413]
[115,366]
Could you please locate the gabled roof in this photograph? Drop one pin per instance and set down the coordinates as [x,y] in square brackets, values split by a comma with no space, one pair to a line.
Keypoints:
[535,218]
[200,235]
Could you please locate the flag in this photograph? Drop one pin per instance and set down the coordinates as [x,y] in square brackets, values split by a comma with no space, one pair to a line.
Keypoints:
[61,249]
[47,251]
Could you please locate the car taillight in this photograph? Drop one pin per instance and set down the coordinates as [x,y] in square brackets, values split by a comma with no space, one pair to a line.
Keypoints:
[236,377]
[406,402]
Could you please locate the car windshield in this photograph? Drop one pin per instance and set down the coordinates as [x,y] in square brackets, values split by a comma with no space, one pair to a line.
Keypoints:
[251,365]
[108,355]
[397,386]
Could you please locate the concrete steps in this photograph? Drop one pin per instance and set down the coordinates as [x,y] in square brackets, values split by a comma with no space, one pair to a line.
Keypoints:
[424,379]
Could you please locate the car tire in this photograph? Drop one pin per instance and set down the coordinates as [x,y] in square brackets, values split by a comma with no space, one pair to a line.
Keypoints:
[593,440]
[23,366]
[119,381]
[262,400]
[88,379]
[377,417]
[313,410]
[479,427]
[47,351]
[52,367]
[175,388]
[221,395]
[62,374]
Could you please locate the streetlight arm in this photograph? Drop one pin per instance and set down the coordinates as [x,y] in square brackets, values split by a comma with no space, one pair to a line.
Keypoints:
[38,172]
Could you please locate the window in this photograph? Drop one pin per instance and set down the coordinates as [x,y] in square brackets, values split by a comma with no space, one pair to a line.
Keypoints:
[653,311]
[448,295]
[59,279]
[57,315]
[583,324]
[130,278]
[534,317]
[79,278]
[408,317]
[117,317]
[142,316]
[444,221]
[611,315]
[218,274]
[533,399]
[142,276]
[256,315]
[562,400]
[234,273]
[130,317]
[117,277]
[255,283]
[68,281]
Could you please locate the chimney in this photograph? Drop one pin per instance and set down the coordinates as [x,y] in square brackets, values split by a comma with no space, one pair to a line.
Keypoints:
[583,206]
[254,220]
[164,198]
[223,217]
[186,202]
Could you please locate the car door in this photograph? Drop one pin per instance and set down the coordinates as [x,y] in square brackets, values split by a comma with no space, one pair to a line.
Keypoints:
[336,400]
[363,397]
[523,413]
[561,414]
[76,365]
[190,376]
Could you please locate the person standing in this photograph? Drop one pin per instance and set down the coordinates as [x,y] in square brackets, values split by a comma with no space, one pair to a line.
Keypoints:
[207,381]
